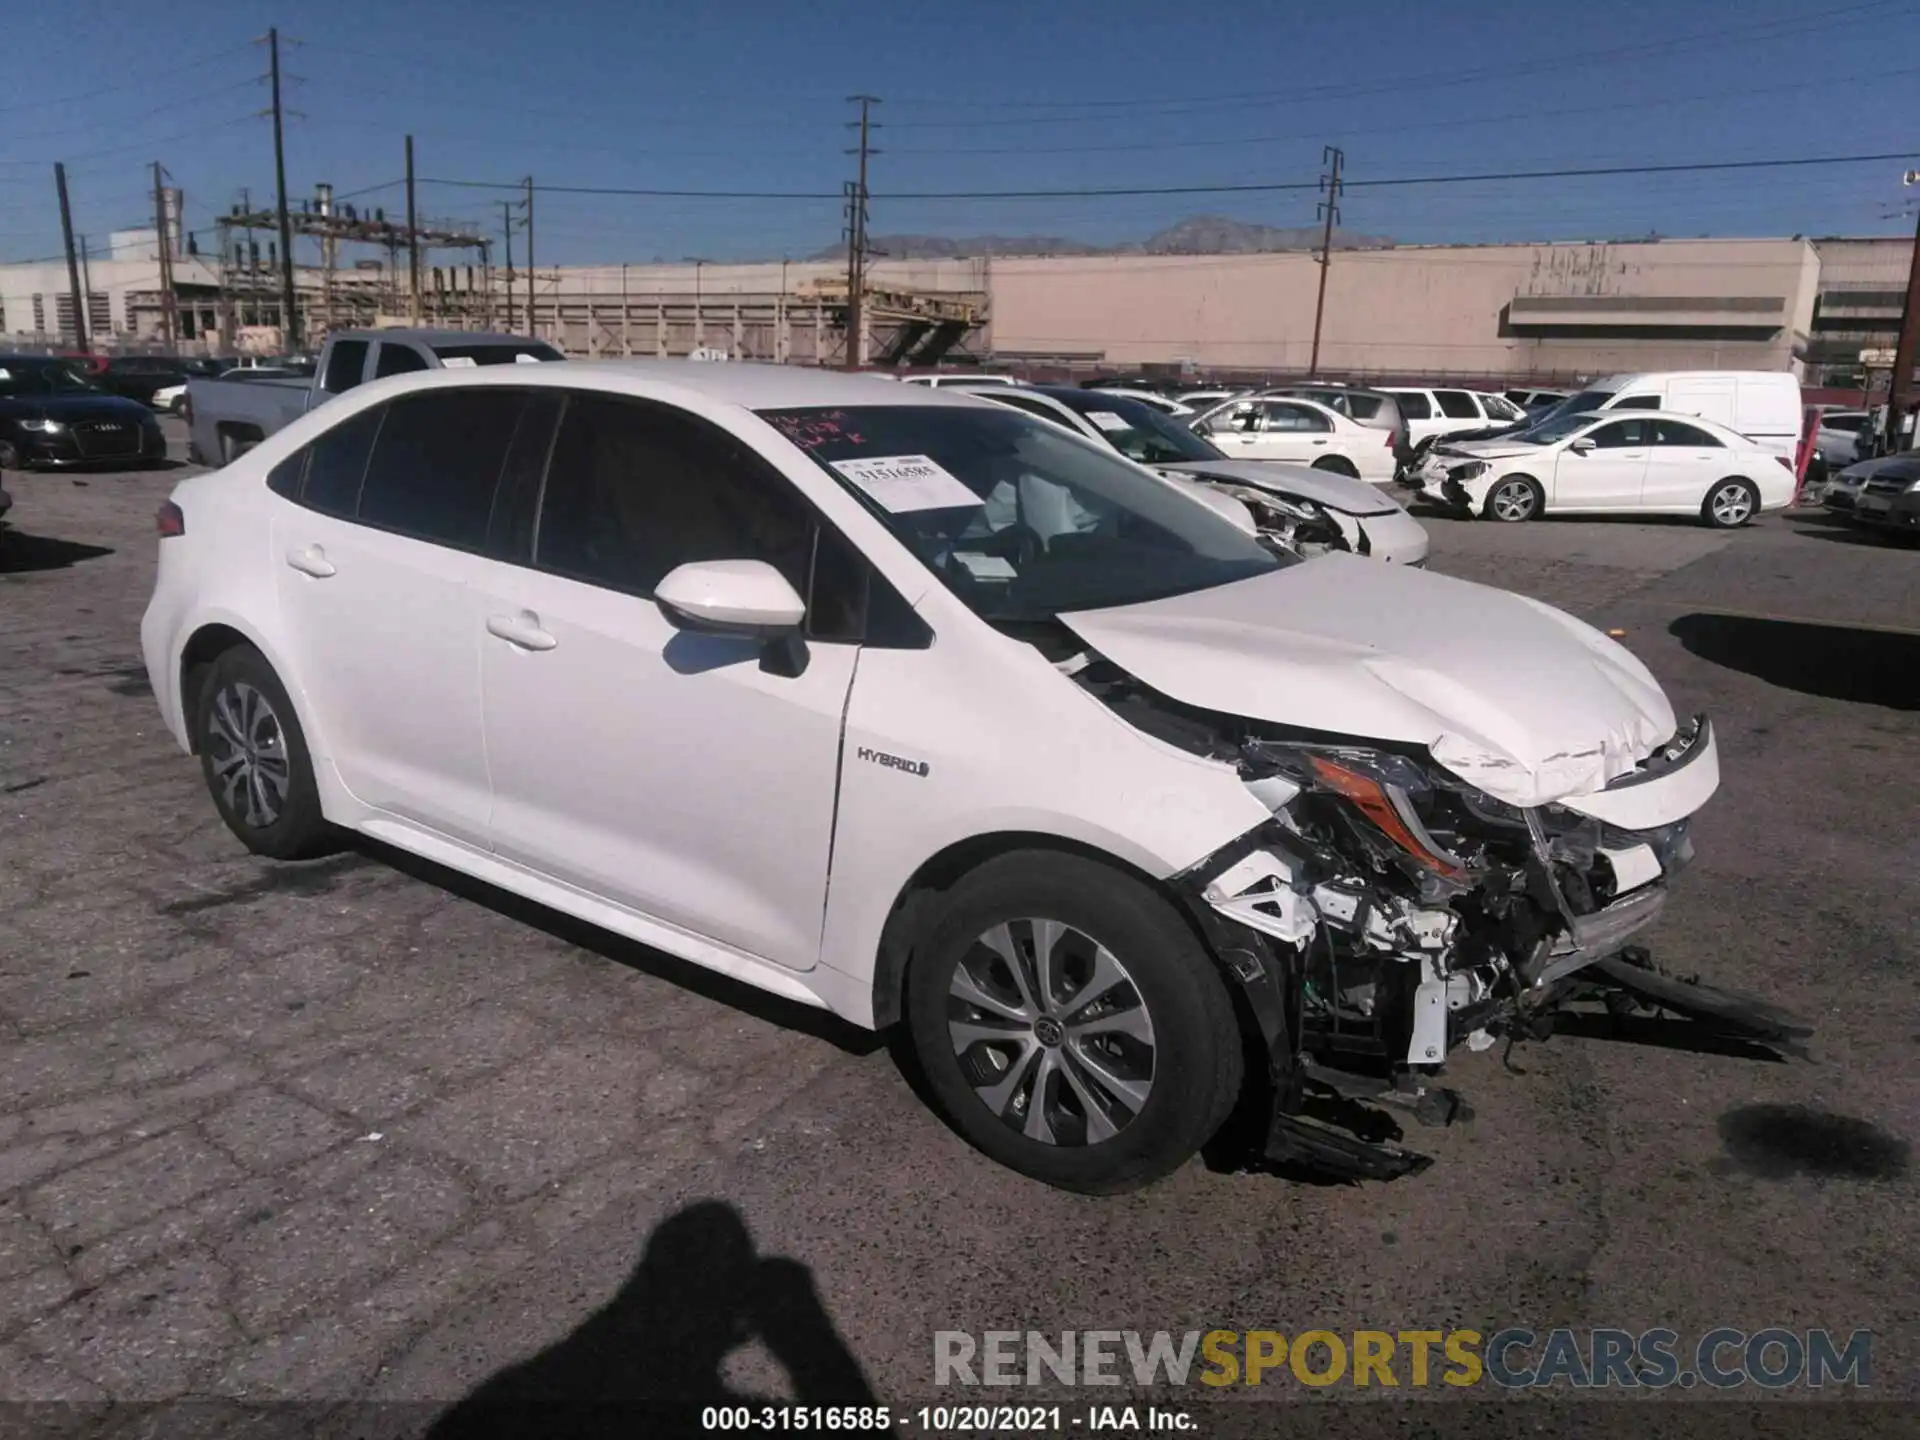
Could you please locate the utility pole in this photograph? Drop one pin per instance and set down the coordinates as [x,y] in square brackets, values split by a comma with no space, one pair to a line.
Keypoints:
[857,235]
[413,241]
[86,279]
[1906,351]
[506,228]
[73,263]
[1334,158]
[531,328]
[289,316]
[169,312]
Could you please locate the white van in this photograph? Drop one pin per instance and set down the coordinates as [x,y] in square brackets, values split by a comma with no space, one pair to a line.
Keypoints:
[1763,405]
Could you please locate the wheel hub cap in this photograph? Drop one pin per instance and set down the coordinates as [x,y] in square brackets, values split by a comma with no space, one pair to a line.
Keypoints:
[1051,1032]
[248,752]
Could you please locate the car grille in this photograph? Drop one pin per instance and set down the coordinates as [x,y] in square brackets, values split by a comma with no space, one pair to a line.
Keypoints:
[105,439]
[1888,484]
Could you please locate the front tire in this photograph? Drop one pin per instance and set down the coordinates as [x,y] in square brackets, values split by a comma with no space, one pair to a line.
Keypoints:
[1071,1025]
[254,758]
[1730,504]
[1514,499]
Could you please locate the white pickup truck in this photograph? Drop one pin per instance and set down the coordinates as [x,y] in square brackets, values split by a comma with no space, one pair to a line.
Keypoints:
[229,416]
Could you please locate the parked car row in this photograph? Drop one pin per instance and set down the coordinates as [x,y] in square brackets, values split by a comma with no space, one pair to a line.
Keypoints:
[1882,493]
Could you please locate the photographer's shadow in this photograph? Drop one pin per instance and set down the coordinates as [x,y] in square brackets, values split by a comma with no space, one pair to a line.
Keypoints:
[650,1360]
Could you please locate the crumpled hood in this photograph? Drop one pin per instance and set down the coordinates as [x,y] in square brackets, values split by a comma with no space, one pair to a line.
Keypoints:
[1514,697]
[1338,492]
[1496,448]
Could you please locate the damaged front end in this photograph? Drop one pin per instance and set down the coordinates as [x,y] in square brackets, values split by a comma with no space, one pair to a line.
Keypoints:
[1291,522]
[1390,912]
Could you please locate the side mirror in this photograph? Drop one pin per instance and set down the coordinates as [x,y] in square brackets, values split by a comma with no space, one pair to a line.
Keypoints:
[744,598]
[1582,445]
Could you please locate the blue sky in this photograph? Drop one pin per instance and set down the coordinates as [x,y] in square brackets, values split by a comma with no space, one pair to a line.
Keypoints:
[1070,94]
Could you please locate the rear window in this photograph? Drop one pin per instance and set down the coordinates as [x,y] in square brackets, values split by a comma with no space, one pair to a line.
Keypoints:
[1413,405]
[532,351]
[1363,407]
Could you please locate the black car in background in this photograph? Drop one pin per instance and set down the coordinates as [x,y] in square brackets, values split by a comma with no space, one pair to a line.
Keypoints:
[53,416]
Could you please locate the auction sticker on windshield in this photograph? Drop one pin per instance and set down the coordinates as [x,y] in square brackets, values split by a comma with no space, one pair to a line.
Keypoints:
[900,484]
[459,362]
[1107,420]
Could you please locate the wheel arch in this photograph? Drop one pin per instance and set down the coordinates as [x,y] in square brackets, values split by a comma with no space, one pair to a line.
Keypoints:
[943,870]
[211,638]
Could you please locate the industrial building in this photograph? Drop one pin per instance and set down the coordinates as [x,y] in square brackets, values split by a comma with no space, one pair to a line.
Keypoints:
[1539,311]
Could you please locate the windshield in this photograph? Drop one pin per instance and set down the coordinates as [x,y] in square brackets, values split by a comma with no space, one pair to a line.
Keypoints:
[1549,430]
[1019,519]
[1136,429]
[23,380]
[456,356]
[1584,403]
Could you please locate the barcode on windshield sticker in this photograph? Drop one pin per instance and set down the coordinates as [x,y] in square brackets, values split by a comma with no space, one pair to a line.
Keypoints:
[1107,420]
[900,484]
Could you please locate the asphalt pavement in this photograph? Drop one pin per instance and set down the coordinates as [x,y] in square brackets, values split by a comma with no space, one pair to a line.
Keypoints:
[363,1131]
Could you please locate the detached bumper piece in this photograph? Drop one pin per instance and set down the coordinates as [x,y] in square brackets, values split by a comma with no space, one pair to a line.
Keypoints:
[1628,980]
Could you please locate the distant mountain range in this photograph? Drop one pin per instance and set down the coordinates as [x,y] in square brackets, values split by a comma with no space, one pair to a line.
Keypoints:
[1198,235]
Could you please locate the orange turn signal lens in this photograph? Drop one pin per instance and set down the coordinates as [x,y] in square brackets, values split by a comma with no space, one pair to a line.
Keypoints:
[1372,801]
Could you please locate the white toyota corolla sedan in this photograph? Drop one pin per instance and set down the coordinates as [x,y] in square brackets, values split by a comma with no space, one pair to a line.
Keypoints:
[1647,462]
[916,708]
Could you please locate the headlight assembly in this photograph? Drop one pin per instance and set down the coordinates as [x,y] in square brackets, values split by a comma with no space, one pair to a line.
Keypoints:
[43,427]
[1472,470]
[1376,784]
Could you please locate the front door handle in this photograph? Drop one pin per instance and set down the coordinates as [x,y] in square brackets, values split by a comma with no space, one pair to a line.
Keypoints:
[522,630]
[311,560]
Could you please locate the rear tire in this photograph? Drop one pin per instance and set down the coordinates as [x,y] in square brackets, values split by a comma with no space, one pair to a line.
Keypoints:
[1105,1075]
[254,758]
[1730,504]
[1514,499]
[1338,465]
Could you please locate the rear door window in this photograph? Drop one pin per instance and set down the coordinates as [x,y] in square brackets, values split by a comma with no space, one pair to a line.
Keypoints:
[1413,405]
[337,463]
[437,462]
[1457,405]
[397,360]
[346,363]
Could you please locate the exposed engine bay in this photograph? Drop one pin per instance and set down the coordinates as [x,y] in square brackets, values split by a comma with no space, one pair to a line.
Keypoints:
[1390,912]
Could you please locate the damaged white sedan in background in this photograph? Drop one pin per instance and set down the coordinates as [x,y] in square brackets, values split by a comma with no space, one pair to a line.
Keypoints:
[917,708]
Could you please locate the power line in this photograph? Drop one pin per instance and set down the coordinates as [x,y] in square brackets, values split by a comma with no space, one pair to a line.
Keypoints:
[1272,187]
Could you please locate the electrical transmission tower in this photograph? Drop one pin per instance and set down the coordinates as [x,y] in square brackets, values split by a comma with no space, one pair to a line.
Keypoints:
[1334,159]
[856,192]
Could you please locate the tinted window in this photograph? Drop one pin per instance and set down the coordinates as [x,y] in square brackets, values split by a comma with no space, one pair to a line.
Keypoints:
[1623,435]
[436,463]
[1457,405]
[455,357]
[517,500]
[397,360]
[1413,405]
[1842,422]
[1672,432]
[337,463]
[1296,418]
[634,490]
[1637,402]
[284,478]
[1363,407]
[345,363]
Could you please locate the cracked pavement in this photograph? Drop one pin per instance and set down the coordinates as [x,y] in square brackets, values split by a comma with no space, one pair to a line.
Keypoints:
[361,1129]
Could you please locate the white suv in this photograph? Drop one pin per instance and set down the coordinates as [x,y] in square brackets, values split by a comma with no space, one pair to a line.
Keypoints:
[1434,413]
[910,706]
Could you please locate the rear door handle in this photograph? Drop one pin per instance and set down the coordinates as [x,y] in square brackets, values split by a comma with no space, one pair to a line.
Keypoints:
[522,630]
[311,560]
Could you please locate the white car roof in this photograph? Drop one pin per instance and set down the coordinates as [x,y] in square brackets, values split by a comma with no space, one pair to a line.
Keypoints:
[747,385]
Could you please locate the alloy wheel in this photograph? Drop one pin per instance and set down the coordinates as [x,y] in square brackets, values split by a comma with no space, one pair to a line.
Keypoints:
[1731,504]
[1513,500]
[1051,1032]
[248,750]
